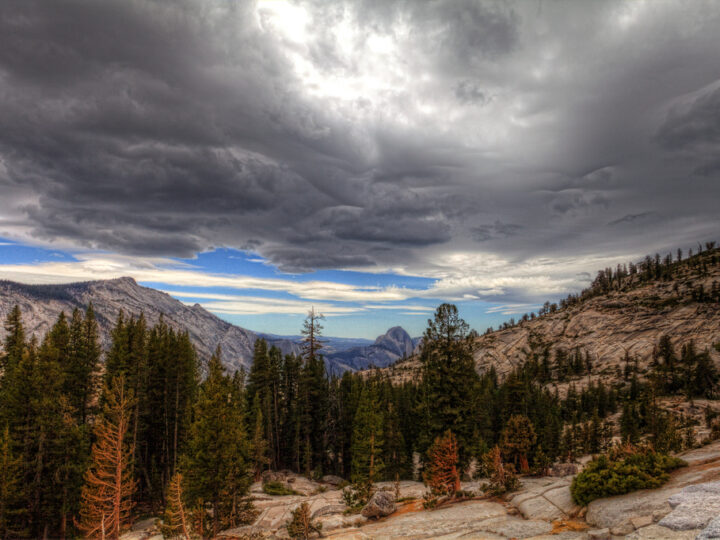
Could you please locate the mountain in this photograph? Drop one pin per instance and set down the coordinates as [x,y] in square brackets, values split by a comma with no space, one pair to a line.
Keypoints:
[331,345]
[387,349]
[628,315]
[41,305]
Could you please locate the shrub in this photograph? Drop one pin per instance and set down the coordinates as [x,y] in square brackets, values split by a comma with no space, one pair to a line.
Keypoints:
[356,496]
[430,500]
[278,489]
[300,525]
[502,475]
[624,469]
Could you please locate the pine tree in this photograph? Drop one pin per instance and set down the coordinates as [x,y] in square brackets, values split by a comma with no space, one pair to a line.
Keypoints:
[300,525]
[217,457]
[312,397]
[517,440]
[367,439]
[394,448]
[14,344]
[312,332]
[704,376]
[449,381]
[502,475]
[107,497]
[177,520]
[88,362]
[11,494]
[259,444]
[441,473]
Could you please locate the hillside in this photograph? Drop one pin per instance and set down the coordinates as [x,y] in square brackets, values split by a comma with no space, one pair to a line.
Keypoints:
[628,316]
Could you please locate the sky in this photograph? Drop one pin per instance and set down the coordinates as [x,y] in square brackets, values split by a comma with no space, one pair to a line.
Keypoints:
[369,158]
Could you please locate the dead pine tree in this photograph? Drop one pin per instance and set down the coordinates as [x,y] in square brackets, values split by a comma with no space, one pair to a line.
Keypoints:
[176,519]
[106,498]
[442,475]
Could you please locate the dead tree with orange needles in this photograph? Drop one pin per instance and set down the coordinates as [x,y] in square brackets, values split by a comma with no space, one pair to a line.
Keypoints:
[176,521]
[441,473]
[106,498]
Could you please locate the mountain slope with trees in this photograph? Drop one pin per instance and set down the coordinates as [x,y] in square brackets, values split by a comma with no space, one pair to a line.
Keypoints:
[617,321]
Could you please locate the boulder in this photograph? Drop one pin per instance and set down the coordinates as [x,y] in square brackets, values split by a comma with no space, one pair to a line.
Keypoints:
[273,476]
[563,469]
[598,534]
[381,504]
[332,480]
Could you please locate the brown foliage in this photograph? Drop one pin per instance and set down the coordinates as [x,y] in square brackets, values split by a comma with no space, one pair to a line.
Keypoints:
[106,498]
[502,475]
[176,520]
[441,473]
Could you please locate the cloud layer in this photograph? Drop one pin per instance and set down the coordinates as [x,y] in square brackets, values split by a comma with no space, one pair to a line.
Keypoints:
[496,147]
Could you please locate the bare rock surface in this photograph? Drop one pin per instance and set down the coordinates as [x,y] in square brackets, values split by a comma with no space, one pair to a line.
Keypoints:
[461,518]
[545,498]
[711,531]
[693,507]
[658,532]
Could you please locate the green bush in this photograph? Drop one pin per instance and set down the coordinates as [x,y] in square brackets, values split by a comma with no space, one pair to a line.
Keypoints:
[278,489]
[357,495]
[621,471]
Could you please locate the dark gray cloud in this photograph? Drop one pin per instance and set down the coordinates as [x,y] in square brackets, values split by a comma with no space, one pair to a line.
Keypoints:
[483,233]
[360,133]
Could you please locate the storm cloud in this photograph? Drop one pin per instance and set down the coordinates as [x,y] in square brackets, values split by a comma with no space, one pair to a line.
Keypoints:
[358,134]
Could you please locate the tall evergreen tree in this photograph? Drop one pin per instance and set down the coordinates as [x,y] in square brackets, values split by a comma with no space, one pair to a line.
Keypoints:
[216,463]
[449,381]
[14,344]
[11,493]
[367,439]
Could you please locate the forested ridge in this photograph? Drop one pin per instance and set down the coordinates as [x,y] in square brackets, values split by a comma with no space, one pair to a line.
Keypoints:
[77,434]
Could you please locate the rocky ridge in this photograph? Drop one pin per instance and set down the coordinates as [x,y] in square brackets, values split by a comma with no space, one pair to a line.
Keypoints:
[41,305]
[630,320]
